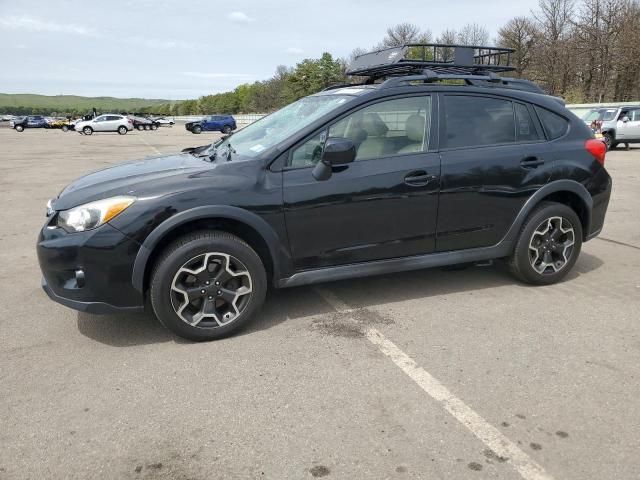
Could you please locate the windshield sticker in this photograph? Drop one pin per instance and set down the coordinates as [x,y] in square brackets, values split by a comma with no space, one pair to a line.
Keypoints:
[257,148]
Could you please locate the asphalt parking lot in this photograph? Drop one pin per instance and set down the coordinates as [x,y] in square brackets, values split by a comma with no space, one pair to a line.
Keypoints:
[429,374]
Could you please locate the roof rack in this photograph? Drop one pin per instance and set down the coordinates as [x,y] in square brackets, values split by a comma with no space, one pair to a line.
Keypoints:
[432,62]
[442,58]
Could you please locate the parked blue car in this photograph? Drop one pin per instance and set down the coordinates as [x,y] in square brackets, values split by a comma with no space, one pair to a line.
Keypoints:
[213,123]
[31,121]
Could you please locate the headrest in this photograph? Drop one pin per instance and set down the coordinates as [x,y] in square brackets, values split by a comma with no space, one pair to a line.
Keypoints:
[373,124]
[414,128]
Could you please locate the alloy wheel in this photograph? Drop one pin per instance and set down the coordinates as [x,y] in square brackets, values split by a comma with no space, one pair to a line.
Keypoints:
[211,290]
[551,245]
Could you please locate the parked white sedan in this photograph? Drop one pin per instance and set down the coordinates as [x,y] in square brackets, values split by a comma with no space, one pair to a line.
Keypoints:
[105,123]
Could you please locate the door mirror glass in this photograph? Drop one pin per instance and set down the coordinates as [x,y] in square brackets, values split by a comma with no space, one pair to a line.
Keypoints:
[625,119]
[338,151]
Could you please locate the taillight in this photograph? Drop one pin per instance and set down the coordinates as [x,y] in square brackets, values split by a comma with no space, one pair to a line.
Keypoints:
[597,148]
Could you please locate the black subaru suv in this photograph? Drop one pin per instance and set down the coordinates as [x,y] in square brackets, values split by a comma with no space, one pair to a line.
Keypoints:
[433,160]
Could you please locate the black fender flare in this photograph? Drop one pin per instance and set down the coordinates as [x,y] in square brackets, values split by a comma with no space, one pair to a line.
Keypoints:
[551,187]
[214,211]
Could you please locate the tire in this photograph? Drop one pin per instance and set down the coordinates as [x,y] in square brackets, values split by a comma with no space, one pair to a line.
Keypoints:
[19,128]
[87,130]
[147,127]
[226,129]
[531,264]
[64,128]
[197,130]
[140,127]
[609,141]
[122,130]
[154,127]
[171,124]
[207,250]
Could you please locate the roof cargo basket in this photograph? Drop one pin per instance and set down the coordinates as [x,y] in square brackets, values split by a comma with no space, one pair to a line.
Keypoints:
[439,58]
[434,62]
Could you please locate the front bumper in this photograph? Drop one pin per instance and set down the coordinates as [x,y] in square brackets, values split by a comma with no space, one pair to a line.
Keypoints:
[89,271]
[89,307]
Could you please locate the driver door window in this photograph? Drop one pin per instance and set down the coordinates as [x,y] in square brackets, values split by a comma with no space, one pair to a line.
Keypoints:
[385,129]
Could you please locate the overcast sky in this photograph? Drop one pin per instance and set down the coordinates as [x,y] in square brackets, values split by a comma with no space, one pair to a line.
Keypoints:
[184,49]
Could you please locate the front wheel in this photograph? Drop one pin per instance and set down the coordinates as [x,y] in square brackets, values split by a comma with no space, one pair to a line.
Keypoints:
[548,245]
[207,285]
[197,129]
[609,141]
[226,129]
[65,128]
[122,130]
[87,130]
[19,128]
[154,127]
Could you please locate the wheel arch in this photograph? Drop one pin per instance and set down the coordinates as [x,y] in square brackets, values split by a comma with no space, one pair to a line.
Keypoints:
[567,192]
[246,225]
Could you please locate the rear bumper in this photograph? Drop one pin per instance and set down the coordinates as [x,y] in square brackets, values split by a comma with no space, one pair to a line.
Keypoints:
[601,198]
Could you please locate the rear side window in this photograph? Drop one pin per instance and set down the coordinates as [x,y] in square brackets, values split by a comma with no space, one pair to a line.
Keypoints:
[554,125]
[476,121]
[525,128]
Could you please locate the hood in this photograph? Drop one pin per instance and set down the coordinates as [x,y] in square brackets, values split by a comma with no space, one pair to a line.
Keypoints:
[132,178]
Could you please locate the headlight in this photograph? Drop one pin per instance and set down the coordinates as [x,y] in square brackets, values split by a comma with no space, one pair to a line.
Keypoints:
[92,215]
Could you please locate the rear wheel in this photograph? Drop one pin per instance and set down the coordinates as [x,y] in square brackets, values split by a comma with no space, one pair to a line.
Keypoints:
[147,127]
[19,128]
[87,130]
[197,129]
[548,245]
[122,130]
[140,127]
[207,285]
[154,127]
[65,128]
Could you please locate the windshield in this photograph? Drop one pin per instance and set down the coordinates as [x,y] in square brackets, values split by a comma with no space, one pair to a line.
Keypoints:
[272,129]
[600,114]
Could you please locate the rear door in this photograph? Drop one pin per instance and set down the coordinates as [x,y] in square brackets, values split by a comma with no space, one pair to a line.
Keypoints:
[383,205]
[113,122]
[493,157]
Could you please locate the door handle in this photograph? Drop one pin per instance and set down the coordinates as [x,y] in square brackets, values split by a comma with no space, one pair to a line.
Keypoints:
[531,162]
[418,178]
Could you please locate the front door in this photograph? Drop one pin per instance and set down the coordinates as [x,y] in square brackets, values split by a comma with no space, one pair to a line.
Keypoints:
[100,124]
[628,130]
[383,205]
[494,158]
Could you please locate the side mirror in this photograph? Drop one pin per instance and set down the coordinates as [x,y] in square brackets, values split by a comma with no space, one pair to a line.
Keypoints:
[625,119]
[337,151]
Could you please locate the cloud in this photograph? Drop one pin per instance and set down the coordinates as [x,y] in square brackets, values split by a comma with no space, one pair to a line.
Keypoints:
[31,24]
[216,75]
[294,50]
[150,42]
[240,17]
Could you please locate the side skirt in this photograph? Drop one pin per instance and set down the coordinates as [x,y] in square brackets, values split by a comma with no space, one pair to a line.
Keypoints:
[403,264]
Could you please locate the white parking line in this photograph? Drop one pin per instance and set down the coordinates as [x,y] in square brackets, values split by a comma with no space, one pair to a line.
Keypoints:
[483,430]
[149,145]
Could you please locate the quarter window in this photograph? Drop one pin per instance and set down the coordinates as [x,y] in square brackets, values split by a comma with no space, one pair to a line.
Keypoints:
[476,121]
[384,129]
[525,128]
[554,125]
